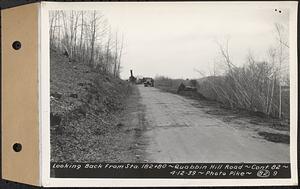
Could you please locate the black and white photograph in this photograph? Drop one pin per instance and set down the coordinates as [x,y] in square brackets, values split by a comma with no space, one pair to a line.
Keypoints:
[174,83]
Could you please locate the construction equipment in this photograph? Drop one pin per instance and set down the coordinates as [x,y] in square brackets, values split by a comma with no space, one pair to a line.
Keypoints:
[132,79]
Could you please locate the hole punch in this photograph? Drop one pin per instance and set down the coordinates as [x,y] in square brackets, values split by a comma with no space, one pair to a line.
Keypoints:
[16,45]
[17,147]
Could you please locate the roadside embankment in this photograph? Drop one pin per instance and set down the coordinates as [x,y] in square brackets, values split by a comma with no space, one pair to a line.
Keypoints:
[85,103]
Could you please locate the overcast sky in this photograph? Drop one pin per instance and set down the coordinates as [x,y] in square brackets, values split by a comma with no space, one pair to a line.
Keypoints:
[175,39]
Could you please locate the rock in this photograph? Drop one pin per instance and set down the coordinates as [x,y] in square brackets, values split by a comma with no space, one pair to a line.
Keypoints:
[56,95]
[55,119]
[190,88]
[66,53]
[258,114]
[59,130]
[120,124]
[74,95]
[80,84]
[82,110]
[180,88]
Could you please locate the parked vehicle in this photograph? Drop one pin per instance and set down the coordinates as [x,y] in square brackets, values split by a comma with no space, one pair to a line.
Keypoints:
[148,82]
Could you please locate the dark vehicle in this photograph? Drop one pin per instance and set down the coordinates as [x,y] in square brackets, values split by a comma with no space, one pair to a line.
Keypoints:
[148,82]
[183,87]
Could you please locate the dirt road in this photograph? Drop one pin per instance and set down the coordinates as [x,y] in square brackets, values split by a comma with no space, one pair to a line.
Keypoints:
[179,129]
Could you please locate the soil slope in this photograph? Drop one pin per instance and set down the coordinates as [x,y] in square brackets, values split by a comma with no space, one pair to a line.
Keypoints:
[85,104]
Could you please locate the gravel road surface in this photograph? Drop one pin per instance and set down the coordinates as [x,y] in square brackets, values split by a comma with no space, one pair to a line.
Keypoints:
[178,131]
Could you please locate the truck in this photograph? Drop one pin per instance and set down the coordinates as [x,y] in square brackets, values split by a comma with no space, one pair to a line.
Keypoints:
[148,82]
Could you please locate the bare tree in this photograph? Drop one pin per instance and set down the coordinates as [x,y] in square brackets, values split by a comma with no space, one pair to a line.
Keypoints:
[272,77]
[120,55]
[107,54]
[81,35]
[282,43]
[87,37]
[54,15]
[77,14]
[116,55]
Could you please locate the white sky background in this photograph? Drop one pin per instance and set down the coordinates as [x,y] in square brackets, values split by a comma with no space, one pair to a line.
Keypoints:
[175,39]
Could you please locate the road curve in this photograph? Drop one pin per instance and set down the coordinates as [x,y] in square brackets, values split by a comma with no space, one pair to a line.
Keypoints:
[177,131]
